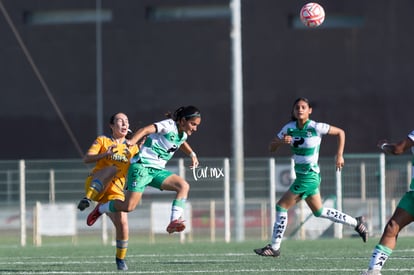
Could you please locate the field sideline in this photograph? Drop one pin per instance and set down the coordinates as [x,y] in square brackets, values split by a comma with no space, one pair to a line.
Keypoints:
[168,256]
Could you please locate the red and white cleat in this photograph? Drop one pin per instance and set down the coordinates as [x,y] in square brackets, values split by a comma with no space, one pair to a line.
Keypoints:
[176,226]
[93,216]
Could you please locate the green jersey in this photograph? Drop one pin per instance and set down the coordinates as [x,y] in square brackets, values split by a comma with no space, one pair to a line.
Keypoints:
[305,144]
[160,147]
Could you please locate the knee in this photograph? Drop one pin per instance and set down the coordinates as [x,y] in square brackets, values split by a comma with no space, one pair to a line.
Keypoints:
[182,187]
[130,208]
[185,186]
[110,171]
[392,228]
[107,173]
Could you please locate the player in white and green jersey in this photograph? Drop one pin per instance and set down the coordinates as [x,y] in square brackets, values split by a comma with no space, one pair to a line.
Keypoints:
[162,140]
[403,214]
[159,147]
[305,143]
[304,136]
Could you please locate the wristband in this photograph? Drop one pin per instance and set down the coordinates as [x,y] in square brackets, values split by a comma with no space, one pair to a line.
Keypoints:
[192,154]
[383,145]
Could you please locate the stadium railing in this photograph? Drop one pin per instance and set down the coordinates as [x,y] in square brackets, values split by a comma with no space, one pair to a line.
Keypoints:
[370,185]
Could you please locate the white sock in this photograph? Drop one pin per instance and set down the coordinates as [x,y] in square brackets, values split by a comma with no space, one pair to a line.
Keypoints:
[279,229]
[379,256]
[337,216]
[104,208]
[177,209]
[176,212]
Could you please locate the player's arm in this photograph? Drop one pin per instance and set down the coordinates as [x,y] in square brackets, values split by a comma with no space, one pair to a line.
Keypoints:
[186,148]
[335,131]
[141,133]
[396,148]
[93,154]
[88,158]
[277,142]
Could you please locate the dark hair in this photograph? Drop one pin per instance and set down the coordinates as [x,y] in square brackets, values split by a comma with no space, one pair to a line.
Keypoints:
[187,113]
[112,118]
[129,134]
[293,118]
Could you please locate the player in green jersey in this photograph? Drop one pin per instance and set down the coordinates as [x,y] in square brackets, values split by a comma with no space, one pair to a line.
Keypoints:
[403,214]
[163,139]
[304,136]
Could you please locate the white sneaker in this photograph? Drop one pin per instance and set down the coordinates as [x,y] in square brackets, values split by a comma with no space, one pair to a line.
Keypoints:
[371,272]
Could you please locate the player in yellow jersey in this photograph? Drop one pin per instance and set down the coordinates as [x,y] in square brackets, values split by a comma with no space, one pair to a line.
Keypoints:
[106,181]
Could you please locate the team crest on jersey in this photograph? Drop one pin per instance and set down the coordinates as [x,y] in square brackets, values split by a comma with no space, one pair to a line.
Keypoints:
[309,133]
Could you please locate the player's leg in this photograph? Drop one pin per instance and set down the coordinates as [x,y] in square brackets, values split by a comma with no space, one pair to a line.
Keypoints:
[131,201]
[120,221]
[288,200]
[296,192]
[95,184]
[403,215]
[311,182]
[137,180]
[315,204]
[173,182]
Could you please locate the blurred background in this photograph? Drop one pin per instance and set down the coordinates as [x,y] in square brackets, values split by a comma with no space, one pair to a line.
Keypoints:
[146,58]
[67,66]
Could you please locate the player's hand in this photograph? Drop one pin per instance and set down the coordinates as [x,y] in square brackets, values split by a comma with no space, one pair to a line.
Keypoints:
[129,143]
[127,153]
[339,163]
[111,150]
[287,139]
[195,162]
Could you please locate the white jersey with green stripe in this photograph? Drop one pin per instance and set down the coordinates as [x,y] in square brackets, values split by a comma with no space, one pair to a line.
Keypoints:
[411,136]
[160,147]
[305,143]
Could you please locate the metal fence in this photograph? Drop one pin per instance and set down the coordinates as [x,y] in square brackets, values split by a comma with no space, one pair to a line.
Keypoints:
[62,181]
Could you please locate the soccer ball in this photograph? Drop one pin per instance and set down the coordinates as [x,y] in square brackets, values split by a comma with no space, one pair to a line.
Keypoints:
[312,15]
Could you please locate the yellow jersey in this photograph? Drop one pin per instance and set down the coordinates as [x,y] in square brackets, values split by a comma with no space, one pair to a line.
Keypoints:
[121,159]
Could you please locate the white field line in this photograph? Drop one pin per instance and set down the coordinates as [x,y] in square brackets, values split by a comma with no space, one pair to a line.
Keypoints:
[238,271]
[9,265]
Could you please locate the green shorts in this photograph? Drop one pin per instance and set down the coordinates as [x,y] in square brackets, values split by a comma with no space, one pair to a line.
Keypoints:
[306,185]
[407,202]
[140,177]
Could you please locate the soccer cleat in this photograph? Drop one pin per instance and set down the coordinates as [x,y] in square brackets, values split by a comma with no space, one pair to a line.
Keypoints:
[84,203]
[361,228]
[120,264]
[267,251]
[176,226]
[371,272]
[93,216]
